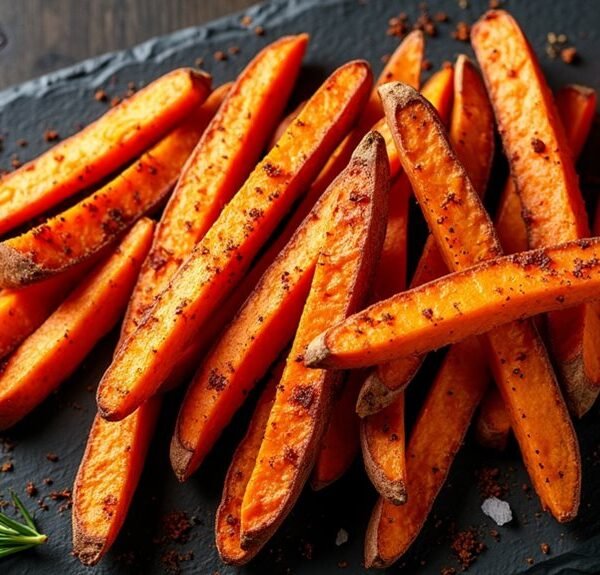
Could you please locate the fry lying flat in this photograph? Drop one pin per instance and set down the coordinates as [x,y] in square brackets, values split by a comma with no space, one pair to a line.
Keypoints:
[303,399]
[54,350]
[219,260]
[84,229]
[100,149]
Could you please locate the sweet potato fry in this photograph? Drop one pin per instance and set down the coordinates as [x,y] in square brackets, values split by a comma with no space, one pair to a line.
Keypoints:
[220,163]
[542,167]
[248,345]
[216,264]
[107,477]
[435,439]
[284,124]
[56,348]
[465,236]
[302,403]
[382,433]
[229,512]
[341,441]
[492,427]
[100,149]
[22,311]
[476,141]
[84,229]
[426,318]
[383,444]
[576,107]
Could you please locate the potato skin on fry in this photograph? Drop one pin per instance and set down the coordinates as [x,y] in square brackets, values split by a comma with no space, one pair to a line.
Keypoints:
[302,404]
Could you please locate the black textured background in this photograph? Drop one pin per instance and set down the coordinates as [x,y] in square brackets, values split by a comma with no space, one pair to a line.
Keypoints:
[340,30]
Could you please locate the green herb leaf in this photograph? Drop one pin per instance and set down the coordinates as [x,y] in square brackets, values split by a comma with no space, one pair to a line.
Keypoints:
[15,536]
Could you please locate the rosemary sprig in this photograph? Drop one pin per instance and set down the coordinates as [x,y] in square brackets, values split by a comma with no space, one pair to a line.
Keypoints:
[15,536]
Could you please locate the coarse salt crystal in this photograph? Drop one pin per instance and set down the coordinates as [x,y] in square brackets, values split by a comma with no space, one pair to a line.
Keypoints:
[341,537]
[498,510]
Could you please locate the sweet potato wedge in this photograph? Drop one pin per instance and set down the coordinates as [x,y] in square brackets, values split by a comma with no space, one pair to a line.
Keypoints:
[542,167]
[465,236]
[219,260]
[224,157]
[302,403]
[23,310]
[492,428]
[87,227]
[341,441]
[382,433]
[434,441]
[472,132]
[59,345]
[383,446]
[100,149]
[426,318]
[229,512]
[107,477]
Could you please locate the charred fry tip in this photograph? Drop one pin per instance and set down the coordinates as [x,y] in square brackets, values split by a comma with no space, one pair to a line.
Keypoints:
[16,269]
[181,458]
[88,549]
[397,95]
[374,396]
[317,352]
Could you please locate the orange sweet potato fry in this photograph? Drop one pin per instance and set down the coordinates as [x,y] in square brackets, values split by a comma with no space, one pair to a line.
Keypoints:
[284,124]
[576,107]
[229,512]
[492,428]
[100,149]
[107,477]
[472,134]
[224,157]
[216,265]
[434,441]
[383,443]
[302,403]
[84,229]
[382,433]
[465,236]
[542,167]
[23,310]
[341,441]
[59,345]
[246,348]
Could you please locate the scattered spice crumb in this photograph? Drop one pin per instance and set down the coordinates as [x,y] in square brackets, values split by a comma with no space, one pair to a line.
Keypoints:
[467,547]
[52,457]
[385,58]
[64,496]
[15,162]
[7,467]
[530,561]
[494,534]
[462,32]
[51,135]
[199,62]
[22,143]
[100,95]
[545,548]
[463,4]
[171,560]
[259,31]
[220,56]
[233,50]
[177,526]
[7,444]
[569,55]
[493,4]
[441,17]
[448,571]
[31,489]
[343,564]
[488,483]
[246,21]
[426,64]
[115,101]
[47,481]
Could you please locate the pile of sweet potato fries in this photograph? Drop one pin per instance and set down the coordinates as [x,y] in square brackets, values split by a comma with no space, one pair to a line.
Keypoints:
[291,263]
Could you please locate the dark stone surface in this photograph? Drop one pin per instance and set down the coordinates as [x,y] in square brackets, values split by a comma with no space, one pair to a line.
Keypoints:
[340,30]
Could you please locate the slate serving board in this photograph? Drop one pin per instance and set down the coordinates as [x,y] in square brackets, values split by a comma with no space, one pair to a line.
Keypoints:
[340,30]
